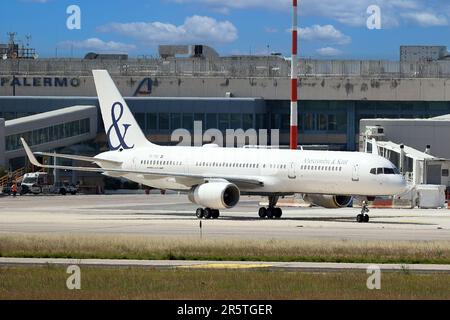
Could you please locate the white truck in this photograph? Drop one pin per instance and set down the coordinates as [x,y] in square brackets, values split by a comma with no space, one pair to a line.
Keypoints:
[40,183]
[36,182]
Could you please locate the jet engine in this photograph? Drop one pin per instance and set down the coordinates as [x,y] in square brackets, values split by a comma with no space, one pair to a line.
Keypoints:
[328,201]
[215,195]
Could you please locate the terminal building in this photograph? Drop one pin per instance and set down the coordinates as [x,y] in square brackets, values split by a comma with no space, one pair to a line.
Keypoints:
[193,83]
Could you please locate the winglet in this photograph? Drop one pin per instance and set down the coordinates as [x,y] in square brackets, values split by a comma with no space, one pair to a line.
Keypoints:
[30,154]
[375,150]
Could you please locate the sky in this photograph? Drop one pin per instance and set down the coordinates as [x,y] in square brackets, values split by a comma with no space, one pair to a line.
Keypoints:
[329,29]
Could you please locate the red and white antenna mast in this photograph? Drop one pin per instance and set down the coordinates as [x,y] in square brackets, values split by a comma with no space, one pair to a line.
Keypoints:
[294,78]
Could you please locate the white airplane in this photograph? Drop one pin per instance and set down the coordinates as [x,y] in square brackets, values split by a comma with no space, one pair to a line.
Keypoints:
[215,178]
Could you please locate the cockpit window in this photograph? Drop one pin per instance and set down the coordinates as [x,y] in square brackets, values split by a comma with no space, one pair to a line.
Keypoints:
[379,171]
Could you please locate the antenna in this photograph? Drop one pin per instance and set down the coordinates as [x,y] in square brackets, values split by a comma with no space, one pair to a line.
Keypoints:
[12,36]
[28,37]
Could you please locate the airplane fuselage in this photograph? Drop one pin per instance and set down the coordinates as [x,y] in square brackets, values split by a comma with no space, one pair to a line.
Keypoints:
[280,171]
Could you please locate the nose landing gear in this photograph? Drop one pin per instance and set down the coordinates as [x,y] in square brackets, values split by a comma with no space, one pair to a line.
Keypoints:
[363,217]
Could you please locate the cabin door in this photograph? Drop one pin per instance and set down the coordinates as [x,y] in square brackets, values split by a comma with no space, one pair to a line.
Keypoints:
[355,175]
[291,173]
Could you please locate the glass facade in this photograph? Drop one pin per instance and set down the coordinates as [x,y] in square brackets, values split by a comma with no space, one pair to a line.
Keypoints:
[49,134]
[167,122]
[402,110]
[15,115]
[315,117]
[319,122]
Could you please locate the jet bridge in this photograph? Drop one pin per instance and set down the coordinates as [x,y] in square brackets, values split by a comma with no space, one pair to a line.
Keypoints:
[47,131]
[427,175]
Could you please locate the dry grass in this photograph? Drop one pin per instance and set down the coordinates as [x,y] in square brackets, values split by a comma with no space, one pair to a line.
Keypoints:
[49,283]
[149,248]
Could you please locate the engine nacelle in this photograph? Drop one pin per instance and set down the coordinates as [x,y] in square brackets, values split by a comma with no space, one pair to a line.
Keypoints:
[328,201]
[216,195]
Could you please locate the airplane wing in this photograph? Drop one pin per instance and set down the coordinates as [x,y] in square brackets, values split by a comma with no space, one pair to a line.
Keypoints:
[98,161]
[186,179]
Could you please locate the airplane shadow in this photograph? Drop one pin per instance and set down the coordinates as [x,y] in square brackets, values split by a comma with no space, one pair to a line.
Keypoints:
[338,219]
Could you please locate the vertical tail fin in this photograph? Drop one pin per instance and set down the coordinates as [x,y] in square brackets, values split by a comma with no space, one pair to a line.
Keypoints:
[122,130]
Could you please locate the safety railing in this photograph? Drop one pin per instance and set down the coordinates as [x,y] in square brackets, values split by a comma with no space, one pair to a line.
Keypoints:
[12,177]
[246,66]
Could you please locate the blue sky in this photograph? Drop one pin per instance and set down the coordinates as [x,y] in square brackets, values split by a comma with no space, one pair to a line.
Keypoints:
[329,28]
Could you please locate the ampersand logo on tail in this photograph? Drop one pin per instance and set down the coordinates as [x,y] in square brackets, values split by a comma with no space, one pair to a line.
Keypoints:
[117,111]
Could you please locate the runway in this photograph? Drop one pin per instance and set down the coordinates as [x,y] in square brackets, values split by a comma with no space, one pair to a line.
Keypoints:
[173,216]
[211,265]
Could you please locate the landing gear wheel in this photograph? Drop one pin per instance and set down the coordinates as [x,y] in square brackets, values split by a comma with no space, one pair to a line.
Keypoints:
[208,214]
[366,218]
[278,213]
[270,213]
[262,213]
[360,218]
[200,213]
[215,214]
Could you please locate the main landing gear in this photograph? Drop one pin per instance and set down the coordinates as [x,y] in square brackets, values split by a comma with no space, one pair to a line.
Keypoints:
[272,212]
[363,217]
[207,213]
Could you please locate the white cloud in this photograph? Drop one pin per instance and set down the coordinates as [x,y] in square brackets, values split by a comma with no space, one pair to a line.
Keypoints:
[348,12]
[195,28]
[329,52]
[426,19]
[35,1]
[241,4]
[270,30]
[222,10]
[327,33]
[99,45]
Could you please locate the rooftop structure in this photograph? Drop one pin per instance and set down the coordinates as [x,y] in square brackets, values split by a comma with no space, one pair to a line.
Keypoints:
[423,53]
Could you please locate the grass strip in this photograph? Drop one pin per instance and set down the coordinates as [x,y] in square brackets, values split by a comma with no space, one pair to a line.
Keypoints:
[49,283]
[150,248]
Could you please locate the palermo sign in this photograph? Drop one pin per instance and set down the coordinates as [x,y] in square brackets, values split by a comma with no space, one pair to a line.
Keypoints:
[39,82]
